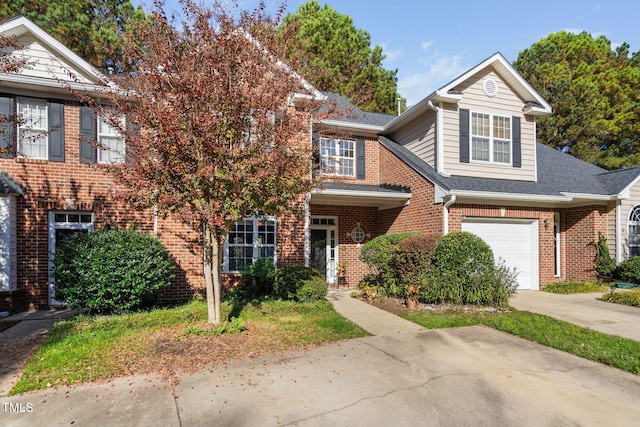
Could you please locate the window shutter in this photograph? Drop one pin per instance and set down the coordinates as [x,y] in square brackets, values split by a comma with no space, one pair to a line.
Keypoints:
[464,135]
[516,142]
[133,129]
[56,131]
[6,127]
[87,135]
[360,159]
[315,152]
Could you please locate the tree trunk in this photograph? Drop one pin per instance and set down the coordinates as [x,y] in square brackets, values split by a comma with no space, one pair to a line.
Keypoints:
[213,248]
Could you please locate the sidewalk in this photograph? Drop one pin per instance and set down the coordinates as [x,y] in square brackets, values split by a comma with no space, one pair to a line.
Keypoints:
[583,310]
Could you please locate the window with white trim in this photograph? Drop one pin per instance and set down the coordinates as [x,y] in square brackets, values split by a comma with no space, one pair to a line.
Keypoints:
[490,138]
[337,157]
[33,128]
[248,240]
[633,238]
[110,142]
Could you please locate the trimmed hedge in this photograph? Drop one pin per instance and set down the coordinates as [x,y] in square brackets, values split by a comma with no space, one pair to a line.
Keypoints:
[111,271]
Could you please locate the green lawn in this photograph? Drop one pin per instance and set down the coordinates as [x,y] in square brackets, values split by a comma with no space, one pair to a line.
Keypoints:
[167,341]
[621,353]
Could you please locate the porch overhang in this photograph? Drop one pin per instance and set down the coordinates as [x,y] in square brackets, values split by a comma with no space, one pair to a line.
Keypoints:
[381,196]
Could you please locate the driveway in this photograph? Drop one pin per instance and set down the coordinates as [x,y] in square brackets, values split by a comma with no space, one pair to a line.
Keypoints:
[404,376]
[586,310]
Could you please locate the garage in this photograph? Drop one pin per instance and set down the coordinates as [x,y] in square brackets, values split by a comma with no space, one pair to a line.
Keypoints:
[515,241]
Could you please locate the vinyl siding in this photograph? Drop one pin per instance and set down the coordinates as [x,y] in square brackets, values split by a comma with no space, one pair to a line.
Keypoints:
[611,228]
[419,136]
[625,209]
[45,65]
[505,103]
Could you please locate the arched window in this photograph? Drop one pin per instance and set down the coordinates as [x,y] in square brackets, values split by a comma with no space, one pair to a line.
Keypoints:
[633,238]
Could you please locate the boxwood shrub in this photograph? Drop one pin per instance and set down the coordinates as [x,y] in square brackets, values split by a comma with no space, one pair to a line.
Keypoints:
[111,271]
[290,279]
[628,270]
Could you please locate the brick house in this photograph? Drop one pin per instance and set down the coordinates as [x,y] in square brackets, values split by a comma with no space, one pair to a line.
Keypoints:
[463,158]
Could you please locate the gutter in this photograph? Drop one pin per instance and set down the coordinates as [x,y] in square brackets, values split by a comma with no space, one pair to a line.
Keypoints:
[439,138]
[353,126]
[451,201]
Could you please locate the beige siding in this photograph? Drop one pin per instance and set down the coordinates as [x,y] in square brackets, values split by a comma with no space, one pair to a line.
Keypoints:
[419,136]
[625,209]
[611,228]
[44,64]
[505,103]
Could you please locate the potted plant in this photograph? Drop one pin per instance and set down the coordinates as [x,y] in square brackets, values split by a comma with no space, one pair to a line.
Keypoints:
[369,292]
[341,268]
[411,293]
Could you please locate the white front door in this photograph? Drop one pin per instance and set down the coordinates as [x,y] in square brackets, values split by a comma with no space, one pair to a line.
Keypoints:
[324,246]
[515,241]
[61,226]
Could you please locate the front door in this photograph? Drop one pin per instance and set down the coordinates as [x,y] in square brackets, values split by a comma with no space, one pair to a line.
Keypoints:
[324,247]
[62,225]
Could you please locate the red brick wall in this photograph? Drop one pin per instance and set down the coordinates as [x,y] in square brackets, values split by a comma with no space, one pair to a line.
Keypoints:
[421,214]
[580,228]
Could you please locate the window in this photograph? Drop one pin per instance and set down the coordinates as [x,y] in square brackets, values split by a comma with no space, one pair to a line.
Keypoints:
[337,157]
[250,239]
[633,238]
[32,129]
[111,143]
[490,138]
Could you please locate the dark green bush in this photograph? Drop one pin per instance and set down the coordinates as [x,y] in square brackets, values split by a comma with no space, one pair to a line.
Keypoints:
[463,272]
[628,270]
[111,271]
[604,264]
[313,289]
[289,279]
[258,279]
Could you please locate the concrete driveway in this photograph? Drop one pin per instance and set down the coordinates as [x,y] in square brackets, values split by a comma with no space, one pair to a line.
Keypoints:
[404,376]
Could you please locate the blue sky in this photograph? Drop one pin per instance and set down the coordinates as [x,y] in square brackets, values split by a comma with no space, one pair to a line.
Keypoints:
[431,42]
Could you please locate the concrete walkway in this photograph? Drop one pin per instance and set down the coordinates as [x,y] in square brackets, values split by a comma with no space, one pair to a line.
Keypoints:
[586,310]
[34,322]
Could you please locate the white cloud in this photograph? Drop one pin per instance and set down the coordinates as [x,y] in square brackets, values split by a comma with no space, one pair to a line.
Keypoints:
[391,55]
[426,45]
[438,71]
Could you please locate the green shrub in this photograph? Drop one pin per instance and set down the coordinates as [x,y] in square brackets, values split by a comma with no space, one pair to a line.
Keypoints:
[574,287]
[258,279]
[412,255]
[463,272]
[289,278]
[628,270]
[111,271]
[631,298]
[604,264]
[313,289]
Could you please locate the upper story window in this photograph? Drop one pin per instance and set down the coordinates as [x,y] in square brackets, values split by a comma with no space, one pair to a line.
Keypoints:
[490,138]
[33,127]
[111,143]
[337,157]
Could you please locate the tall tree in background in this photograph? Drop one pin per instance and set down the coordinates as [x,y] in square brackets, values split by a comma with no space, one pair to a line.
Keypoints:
[595,95]
[336,56]
[90,28]
[221,140]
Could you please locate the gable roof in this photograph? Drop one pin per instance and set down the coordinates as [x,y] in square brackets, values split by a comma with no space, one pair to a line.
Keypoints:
[350,116]
[21,27]
[534,102]
[9,186]
[561,178]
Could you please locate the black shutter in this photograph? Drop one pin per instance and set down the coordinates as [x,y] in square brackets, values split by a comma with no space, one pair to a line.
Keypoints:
[360,159]
[87,135]
[464,135]
[56,131]
[6,127]
[315,152]
[516,142]
[133,131]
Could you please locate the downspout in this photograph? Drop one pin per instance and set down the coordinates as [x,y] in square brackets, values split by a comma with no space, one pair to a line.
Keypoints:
[618,232]
[439,155]
[449,202]
[307,207]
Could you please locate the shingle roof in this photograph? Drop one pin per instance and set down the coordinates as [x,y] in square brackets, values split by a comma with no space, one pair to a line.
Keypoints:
[558,173]
[384,188]
[9,186]
[348,112]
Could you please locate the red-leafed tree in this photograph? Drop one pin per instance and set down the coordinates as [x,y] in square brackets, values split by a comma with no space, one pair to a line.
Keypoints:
[219,138]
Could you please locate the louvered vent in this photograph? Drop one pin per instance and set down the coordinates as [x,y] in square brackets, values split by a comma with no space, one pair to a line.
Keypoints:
[490,87]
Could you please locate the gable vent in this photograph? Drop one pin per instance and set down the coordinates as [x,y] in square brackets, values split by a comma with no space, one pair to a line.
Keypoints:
[490,87]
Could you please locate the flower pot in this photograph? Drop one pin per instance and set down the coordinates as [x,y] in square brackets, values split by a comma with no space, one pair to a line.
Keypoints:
[411,303]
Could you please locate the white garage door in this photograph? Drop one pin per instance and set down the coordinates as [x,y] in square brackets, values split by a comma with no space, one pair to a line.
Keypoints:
[515,241]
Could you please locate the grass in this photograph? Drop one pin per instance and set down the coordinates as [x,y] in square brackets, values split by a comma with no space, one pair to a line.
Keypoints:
[575,287]
[621,353]
[630,297]
[167,341]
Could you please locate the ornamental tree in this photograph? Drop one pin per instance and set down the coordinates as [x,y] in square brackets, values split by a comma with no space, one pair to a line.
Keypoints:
[219,137]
